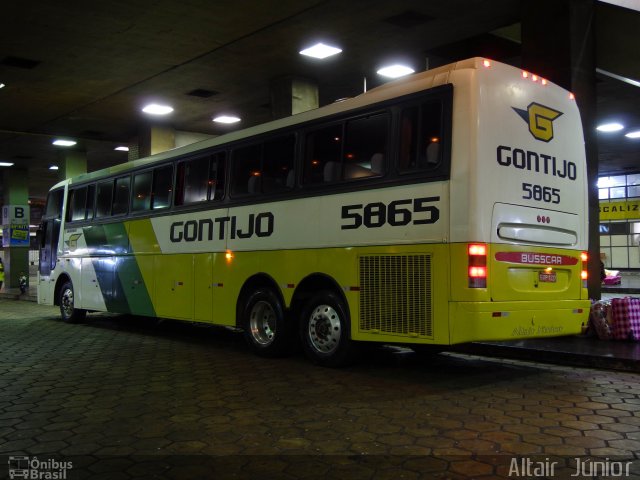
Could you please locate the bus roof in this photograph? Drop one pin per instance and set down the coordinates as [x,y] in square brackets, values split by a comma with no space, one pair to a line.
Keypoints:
[403,86]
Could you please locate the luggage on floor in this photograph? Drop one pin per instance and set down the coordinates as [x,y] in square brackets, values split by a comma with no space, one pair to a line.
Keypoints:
[625,318]
[600,319]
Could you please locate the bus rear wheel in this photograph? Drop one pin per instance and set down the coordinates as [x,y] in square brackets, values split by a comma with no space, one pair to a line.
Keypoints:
[68,311]
[265,328]
[324,331]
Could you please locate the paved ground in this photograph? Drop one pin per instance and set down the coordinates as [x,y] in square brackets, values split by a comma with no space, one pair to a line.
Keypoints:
[123,397]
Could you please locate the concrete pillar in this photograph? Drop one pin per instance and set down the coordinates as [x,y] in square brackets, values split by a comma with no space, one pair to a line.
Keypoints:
[152,140]
[15,246]
[74,162]
[291,95]
[558,43]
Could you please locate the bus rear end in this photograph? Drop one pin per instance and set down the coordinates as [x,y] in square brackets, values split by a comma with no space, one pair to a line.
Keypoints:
[519,231]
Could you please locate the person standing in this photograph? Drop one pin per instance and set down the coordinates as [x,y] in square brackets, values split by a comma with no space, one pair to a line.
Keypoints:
[1,273]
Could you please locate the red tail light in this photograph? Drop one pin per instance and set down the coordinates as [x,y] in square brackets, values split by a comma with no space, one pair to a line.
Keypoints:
[477,262]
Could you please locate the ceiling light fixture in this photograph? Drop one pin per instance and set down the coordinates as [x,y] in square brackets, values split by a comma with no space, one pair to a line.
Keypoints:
[635,134]
[64,143]
[122,148]
[610,127]
[156,109]
[395,71]
[6,164]
[54,167]
[226,119]
[2,85]
[320,50]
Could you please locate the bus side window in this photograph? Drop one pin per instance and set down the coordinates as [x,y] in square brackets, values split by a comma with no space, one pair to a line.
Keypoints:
[217,176]
[104,199]
[278,163]
[420,137]
[91,198]
[191,181]
[141,192]
[162,187]
[121,196]
[77,204]
[246,175]
[323,149]
[366,146]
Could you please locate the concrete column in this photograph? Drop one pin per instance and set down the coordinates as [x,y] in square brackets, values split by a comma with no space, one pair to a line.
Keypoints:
[291,95]
[16,195]
[558,43]
[74,162]
[152,140]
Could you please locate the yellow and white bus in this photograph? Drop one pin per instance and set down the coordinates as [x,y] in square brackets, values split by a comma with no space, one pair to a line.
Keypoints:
[445,207]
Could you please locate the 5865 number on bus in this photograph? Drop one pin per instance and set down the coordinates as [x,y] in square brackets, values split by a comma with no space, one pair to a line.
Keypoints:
[415,211]
[540,193]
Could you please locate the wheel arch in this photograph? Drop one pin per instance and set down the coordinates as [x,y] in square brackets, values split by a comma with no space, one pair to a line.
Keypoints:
[312,284]
[62,279]
[254,282]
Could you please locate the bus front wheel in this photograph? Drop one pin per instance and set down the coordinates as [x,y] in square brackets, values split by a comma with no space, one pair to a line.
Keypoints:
[324,331]
[265,329]
[68,311]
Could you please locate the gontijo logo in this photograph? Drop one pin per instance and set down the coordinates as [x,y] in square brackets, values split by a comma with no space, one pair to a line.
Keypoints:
[540,120]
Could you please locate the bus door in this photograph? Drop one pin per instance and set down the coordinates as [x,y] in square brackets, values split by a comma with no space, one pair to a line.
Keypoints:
[50,233]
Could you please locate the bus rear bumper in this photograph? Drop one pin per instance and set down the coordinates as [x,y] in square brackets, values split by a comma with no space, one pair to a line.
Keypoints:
[484,321]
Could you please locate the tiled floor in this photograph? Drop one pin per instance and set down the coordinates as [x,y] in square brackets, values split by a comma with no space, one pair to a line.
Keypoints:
[123,397]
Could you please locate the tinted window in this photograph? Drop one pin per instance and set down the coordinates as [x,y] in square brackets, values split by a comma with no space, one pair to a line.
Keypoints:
[246,170]
[162,187]
[91,197]
[54,204]
[421,137]
[277,164]
[361,153]
[366,147]
[217,176]
[200,179]
[79,204]
[104,199]
[322,155]
[141,192]
[121,196]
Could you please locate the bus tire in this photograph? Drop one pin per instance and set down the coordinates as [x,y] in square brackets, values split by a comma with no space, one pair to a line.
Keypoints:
[325,332]
[264,326]
[68,311]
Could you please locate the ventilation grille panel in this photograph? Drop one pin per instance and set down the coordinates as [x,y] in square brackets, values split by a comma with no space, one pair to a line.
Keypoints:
[395,294]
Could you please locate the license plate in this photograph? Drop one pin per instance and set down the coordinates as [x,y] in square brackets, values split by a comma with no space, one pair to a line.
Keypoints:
[547,277]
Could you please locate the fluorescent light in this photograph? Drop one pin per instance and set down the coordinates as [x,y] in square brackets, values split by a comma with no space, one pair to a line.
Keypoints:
[155,109]
[122,148]
[226,119]
[320,50]
[395,71]
[54,167]
[635,134]
[610,127]
[64,143]
[6,164]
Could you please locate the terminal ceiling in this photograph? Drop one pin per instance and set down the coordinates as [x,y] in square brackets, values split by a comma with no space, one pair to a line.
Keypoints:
[84,69]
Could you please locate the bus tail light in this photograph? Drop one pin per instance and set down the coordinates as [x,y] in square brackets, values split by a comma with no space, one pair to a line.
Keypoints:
[584,275]
[477,265]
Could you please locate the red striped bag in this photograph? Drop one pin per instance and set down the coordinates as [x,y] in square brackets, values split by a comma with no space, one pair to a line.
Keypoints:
[625,318]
